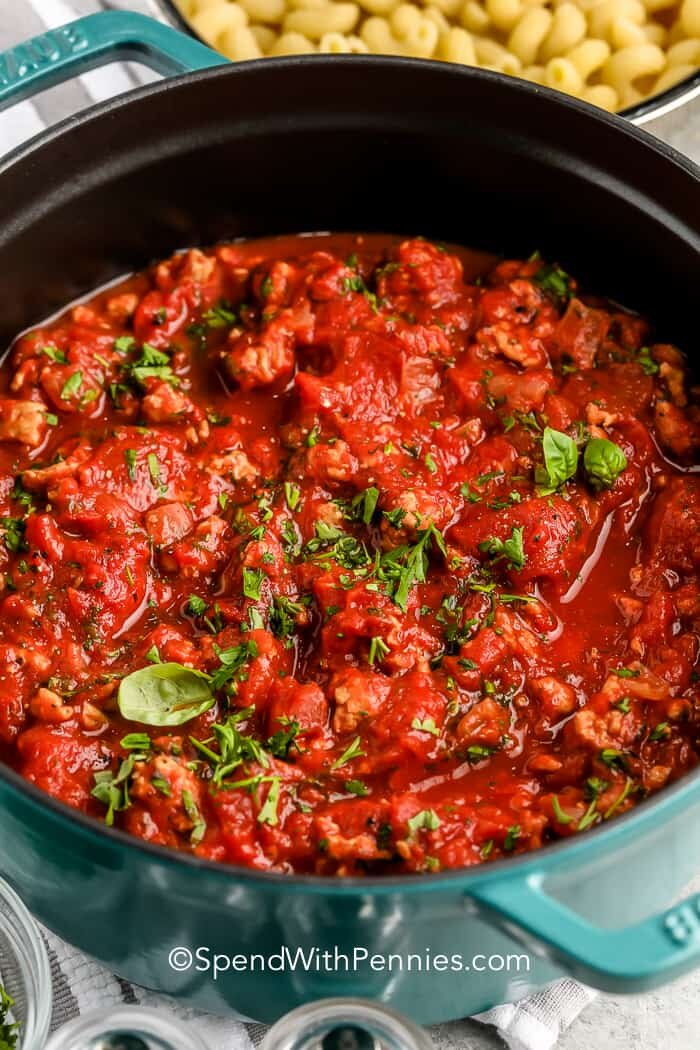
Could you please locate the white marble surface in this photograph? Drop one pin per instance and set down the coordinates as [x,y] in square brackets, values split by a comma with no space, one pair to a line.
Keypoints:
[682,130]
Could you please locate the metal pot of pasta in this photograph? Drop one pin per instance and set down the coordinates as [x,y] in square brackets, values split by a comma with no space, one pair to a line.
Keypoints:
[640,58]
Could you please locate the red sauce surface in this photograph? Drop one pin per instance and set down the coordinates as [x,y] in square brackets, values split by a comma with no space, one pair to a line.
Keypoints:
[320,472]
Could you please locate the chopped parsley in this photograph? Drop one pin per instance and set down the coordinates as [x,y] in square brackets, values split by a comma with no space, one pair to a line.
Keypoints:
[468,493]
[427,725]
[660,732]
[510,550]
[136,742]
[199,825]
[560,816]
[13,534]
[629,784]
[72,386]
[426,819]
[153,469]
[153,656]
[130,457]
[151,364]
[625,672]
[279,743]
[228,748]
[555,282]
[351,752]
[511,838]
[330,542]
[647,362]
[378,649]
[403,567]
[610,756]
[252,582]
[195,605]
[124,344]
[478,752]
[112,789]
[54,354]
[292,494]
[220,316]
[591,816]
[268,813]
[283,616]
[162,785]
[232,663]
[364,504]
[395,517]
[9,1030]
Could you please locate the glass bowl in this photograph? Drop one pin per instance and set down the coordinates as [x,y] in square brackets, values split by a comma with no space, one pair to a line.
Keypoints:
[126,1028]
[24,971]
[345,1024]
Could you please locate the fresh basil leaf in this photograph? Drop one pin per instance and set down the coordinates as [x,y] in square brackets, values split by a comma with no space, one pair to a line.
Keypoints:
[603,462]
[165,695]
[560,459]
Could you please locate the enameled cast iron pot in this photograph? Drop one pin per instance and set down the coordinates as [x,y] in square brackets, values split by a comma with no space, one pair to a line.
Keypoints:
[346,144]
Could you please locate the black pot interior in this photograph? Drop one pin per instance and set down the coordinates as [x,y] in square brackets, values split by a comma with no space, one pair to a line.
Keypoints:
[350,144]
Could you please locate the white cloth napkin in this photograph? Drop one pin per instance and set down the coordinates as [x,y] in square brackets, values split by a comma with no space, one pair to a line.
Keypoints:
[79,983]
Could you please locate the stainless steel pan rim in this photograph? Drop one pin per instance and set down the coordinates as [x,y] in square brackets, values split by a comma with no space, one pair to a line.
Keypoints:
[644,112]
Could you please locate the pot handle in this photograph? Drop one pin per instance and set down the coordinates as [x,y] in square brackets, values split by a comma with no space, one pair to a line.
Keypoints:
[94,41]
[632,959]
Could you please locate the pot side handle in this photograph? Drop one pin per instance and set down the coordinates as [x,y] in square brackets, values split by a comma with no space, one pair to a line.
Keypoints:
[632,959]
[94,41]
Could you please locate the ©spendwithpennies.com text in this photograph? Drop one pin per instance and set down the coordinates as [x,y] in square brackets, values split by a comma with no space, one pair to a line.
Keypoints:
[336,960]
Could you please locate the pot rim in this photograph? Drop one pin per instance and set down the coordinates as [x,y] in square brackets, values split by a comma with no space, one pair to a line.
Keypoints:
[413,66]
[642,818]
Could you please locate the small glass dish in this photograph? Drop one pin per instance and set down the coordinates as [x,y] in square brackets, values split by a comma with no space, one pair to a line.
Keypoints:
[345,1024]
[24,971]
[126,1028]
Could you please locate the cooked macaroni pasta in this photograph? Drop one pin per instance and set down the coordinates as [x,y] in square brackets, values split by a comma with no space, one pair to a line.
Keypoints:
[611,53]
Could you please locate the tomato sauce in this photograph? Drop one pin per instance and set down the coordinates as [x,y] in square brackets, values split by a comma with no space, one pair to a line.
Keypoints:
[347,555]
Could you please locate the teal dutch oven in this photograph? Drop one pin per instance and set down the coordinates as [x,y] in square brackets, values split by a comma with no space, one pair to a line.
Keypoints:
[345,143]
